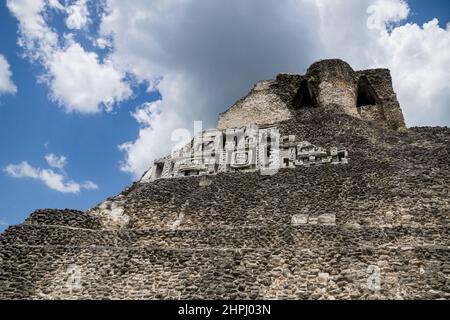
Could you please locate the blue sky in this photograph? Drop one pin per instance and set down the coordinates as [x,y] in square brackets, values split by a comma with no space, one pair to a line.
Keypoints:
[32,126]
[178,61]
[423,11]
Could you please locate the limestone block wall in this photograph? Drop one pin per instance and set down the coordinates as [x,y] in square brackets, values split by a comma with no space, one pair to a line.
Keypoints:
[353,199]
[377,227]
[404,182]
[372,113]
[335,83]
[67,218]
[110,213]
[261,106]
[351,272]
[381,81]
[256,237]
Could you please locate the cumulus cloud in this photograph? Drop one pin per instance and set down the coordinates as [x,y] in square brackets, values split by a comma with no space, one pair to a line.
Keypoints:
[204,55]
[420,62]
[78,15]
[220,49]
[81,83]
[78,80]
[158,120]
[200,61]
[384,14]
[36,37]
[54,180]
[6,84]
[416,55]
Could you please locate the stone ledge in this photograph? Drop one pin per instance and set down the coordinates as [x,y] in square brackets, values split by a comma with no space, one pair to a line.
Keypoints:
[243,249]
[360,228]
[281,237]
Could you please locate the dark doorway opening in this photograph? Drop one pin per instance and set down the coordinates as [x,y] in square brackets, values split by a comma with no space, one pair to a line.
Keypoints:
[366,94]
[159,170]
[305,97]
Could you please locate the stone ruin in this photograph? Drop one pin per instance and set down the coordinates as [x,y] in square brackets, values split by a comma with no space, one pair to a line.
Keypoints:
[262,213]
[328,85]
[245,149]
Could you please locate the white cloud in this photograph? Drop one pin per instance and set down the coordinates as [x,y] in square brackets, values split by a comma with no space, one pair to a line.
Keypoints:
[6,84]
[199,60]
[386,13]
[80,83]
[204,55]
[36,36]
[89,185]
[418,56]
[55,4]
[54,161]
[78,15]
[22,170]
[55,181]
[102,43]
[78,80]
[220,49]
[158,120]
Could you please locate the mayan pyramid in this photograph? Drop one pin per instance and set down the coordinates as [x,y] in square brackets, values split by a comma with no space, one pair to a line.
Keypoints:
[311,187]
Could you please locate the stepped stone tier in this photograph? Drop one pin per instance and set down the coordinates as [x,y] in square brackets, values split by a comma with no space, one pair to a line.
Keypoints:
[374,226]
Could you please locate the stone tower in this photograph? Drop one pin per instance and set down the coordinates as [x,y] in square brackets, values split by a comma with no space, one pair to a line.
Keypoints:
[328,84]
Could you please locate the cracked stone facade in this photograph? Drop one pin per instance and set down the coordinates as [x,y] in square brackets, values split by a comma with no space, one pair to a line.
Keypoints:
[376,227]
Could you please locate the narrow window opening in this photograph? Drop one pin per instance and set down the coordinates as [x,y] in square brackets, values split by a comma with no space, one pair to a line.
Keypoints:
[269,144]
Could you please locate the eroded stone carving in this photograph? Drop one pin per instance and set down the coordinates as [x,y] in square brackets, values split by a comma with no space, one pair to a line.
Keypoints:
[249,148]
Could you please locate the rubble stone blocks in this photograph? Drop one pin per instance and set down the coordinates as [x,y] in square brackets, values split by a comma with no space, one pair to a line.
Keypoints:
[227,218]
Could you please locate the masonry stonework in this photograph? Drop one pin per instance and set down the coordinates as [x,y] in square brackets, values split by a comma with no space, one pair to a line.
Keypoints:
[241,149]
[374,226]
[327,84]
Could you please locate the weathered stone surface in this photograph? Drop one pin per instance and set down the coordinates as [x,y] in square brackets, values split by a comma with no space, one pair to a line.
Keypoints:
[374,228]
[239,150]
[262,106]
[331,85]
[111,213]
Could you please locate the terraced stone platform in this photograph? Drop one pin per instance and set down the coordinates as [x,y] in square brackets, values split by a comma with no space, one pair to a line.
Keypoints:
[375,228]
